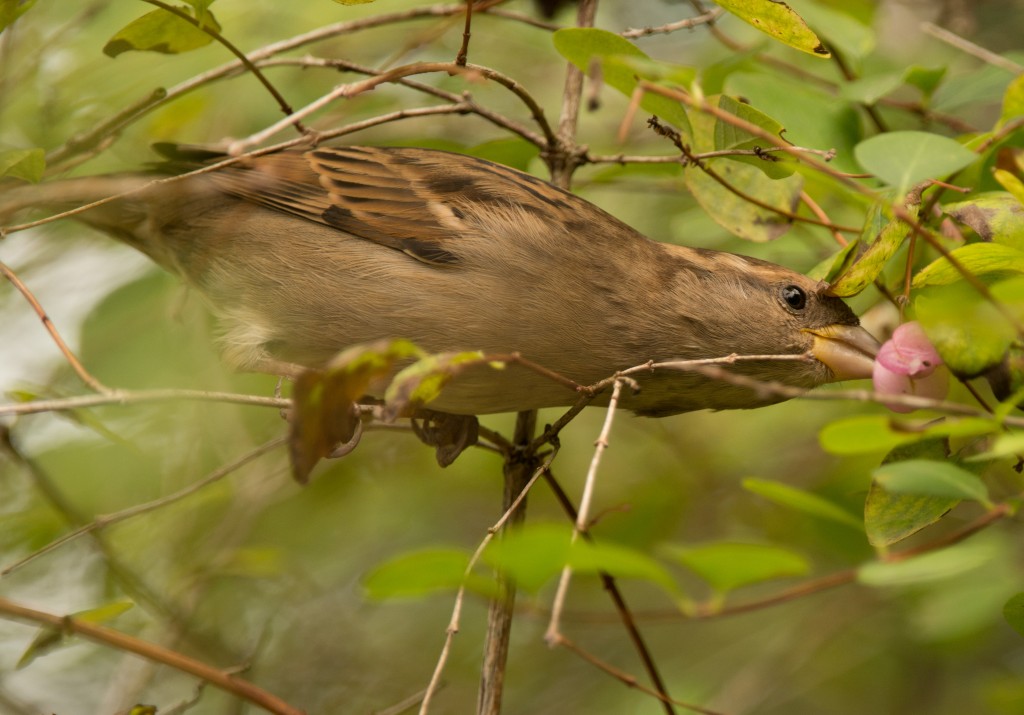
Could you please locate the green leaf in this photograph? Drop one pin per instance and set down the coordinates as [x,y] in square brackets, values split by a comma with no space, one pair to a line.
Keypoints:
[423,572]
[422,381]
[862,434]
[1013,612]
[619,561]
[978,258]
[26,164]
[870,89]
[103,614]
[777,19]
[829,269]
[1013,101]
[163,32]
[812,117]
[1010,182]
[840,31]
[531,555]
[926,79]
[889,517]
[49,639]
[802,501]
[11,10]
[970,334]
[904,159]
[253,562]
[931,478]
[728,565]
[324,414]
[536,553]
[994,215]
[735,213]
[583,45]
[933,566]
[1005,445]
[871,263]
[776,164]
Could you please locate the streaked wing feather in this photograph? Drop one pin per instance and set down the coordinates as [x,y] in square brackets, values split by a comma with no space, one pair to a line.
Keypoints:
[412,200]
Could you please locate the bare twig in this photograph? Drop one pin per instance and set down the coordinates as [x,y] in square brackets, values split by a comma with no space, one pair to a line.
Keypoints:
[695,160]
[455,621]
[495,118]
[460,59]
[583,514]
[103,131]
[687,24]
[629,680]
[520,471]
[134,397]
[242,58]
[356,88]
[970,48]
[102,521]
[103,635]
[76,365]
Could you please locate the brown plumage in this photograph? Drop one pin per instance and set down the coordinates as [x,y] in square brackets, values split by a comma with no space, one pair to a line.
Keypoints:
[301,254]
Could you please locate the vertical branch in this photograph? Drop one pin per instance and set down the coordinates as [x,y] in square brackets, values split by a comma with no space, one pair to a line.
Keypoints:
[520,464]
[521,461]
[563,159]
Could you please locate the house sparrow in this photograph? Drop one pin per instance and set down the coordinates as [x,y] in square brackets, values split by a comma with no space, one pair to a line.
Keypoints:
[303,253]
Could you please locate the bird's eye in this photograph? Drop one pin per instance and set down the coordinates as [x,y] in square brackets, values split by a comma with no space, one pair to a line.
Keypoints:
[795,297]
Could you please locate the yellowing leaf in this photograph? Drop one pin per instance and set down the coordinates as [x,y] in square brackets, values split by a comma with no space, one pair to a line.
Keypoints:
[870,263]
[994,215]
[26,164]
[778,20]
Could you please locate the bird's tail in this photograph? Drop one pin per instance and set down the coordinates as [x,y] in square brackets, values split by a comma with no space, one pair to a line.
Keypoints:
[71,194]
[122,205]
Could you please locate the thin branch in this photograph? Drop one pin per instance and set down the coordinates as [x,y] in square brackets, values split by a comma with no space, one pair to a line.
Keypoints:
[581,520]
[454,622]
[151,651]
[495,118]
[693,159]
[463,108]
[242,58]
[76,365]
[103,131]
[460,59]
[356,88]
[520,473]
[102,521]
[970,48]
[898,210]
[629,680]
[583,513]
[687,24]
[134,397]
[816,209]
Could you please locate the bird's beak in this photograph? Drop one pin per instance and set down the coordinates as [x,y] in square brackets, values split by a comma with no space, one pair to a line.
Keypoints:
[847,350]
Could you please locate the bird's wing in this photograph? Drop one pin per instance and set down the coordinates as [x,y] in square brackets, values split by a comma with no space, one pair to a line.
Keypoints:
[411,200]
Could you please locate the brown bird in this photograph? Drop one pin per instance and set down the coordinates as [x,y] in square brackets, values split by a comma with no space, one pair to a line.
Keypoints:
[303,253]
